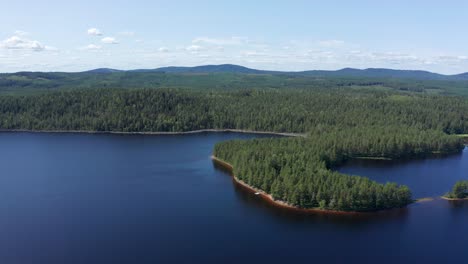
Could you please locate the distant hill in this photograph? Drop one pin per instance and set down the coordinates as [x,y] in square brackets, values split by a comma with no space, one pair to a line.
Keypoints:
[206,69]
[383,73]
[346,72]
[103,70]
[228,76]
[462,76]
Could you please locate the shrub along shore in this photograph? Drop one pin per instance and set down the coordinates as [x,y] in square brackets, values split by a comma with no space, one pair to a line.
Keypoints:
[459,191]
[269,198]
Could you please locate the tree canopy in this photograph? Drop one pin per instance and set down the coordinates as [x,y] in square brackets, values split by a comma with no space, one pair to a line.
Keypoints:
[459,190]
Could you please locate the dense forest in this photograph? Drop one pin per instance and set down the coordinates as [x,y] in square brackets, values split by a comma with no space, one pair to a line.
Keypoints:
[26,83]
[340,123]
[298,170]
[175,110]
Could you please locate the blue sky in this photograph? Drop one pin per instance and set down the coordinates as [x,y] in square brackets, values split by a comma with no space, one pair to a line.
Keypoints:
[277,35]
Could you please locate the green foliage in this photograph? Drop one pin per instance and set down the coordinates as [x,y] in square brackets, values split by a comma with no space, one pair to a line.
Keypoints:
[39,82]
[263,110]
[298,170]
[459,190]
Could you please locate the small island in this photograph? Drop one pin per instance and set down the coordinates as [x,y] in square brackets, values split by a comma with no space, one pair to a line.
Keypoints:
[459,191]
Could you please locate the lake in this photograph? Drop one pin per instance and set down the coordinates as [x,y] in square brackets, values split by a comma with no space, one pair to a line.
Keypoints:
[97,198]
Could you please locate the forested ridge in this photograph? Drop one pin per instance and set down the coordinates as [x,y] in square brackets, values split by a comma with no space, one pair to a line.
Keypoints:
[340,123]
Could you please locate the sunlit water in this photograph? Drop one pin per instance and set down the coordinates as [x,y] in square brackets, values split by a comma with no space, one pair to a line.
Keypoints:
[77,198]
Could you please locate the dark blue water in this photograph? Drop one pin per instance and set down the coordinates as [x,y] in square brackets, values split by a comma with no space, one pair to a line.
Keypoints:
[71,198]
[425,177]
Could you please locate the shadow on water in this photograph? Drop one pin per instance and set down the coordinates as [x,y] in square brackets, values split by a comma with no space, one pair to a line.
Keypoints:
[393,162]
[426,177]
[300,216]
[459,205]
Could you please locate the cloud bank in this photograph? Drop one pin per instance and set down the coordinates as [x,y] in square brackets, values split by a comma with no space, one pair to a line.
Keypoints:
[20,50]
[109,40]
[94,32]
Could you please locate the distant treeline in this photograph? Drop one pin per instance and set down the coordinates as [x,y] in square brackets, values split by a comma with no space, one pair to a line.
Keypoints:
[176,110]
[38,82]
[341,123]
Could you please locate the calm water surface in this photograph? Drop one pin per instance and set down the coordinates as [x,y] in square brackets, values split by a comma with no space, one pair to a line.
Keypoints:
[74,198]
[425,177]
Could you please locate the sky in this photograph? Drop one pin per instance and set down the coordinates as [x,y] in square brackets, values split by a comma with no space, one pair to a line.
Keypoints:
[289,35]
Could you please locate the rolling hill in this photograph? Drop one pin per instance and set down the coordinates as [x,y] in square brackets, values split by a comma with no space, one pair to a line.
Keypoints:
[228,76]
[346,72]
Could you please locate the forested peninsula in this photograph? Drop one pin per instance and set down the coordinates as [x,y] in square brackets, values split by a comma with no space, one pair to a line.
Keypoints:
[340,123]
[459,191]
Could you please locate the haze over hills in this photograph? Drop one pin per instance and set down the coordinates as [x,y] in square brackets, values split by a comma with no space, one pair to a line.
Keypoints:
[103,70]
[231,68]
[228,76]
[346,72]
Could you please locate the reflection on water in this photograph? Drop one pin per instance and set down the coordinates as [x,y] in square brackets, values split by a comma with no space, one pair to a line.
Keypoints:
[431,177]
[293,216]
[459,205]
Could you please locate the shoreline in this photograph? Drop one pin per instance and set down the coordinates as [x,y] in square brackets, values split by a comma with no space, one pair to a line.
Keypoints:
[158,133]
[269,198]
[454,199]
[424,200]
[281,204]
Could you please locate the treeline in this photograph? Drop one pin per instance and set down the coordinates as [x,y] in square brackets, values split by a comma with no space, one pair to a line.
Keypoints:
[175,110]
[298,170]
[38,82]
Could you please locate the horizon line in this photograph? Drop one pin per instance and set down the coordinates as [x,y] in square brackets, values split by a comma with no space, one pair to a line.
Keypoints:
[238,65]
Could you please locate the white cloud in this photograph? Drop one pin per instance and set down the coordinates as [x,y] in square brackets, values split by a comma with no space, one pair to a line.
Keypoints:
[276,55]
[19,43]
[21,33]
[94,32]
[394,57]
[109,40]
[451,60]
[331,43]
[221,41]
[194,48]
[92,47]
[253,53]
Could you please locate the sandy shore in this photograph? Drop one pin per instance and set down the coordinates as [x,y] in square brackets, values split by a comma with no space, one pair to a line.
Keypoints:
[424,200]
[267,197]
[454,199]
